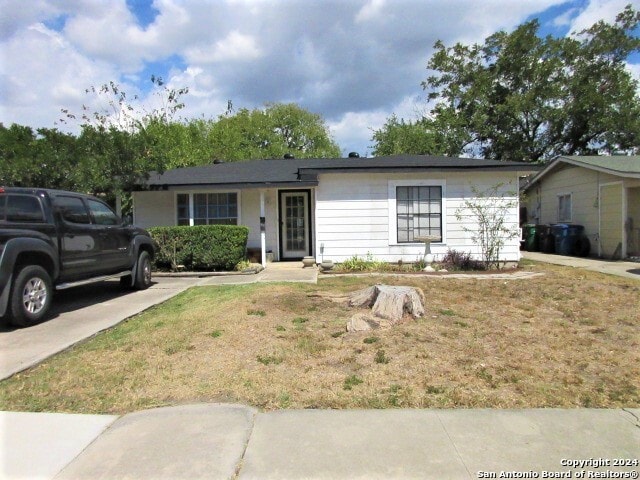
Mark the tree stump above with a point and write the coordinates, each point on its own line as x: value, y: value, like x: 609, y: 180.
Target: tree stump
x: 388, y: 304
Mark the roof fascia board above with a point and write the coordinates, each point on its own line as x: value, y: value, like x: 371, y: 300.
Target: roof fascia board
x: 507, y: 168
x: 576, y: 163
x: 598, y: 168
x: 214, y: 186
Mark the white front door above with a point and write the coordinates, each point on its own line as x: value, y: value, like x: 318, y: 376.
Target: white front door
x: 295, y: 224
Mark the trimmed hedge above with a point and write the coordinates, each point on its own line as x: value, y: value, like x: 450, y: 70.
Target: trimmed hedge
x: 201, y: 247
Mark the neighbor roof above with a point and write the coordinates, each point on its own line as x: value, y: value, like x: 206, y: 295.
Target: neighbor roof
x: 619, y: 165
x: 304, y: 172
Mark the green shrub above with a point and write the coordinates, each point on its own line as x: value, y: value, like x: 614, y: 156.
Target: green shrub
x: 201, y: 247
x: 358, y: 264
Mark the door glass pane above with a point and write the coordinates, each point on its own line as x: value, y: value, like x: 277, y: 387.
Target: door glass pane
x: 295, y: 222
x: 102, y: 215
x: 72, y: 209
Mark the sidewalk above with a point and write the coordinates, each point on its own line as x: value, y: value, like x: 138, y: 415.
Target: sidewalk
x: 618, y: 268
x: 219, y: 441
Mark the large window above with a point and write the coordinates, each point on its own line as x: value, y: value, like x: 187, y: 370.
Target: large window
x: 419, y: 212
x: 208, y: 208
x: 564, y: 207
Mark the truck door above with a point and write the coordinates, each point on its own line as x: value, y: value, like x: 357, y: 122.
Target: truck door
x: 115, y: 238
x: 79, y: 240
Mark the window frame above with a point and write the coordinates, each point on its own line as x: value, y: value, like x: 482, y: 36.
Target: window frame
x: 393, y: 208
x: 190, y: 195
x: 560, y: 196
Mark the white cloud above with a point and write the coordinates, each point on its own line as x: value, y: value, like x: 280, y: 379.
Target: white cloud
x: 42, y: 73
x: 370, y: 10
x: 596, y: 10
x: 235, y: 47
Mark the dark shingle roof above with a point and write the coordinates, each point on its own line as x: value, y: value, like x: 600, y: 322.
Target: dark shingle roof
x: 304, y: 172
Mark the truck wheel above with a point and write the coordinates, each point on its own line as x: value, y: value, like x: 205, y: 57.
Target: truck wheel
x: 31, y: 294
x: 143, y: 271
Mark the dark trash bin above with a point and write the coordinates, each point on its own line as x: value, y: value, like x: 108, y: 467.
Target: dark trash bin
x: 530, y: 237
x: 570, y: 240
x: 560, y: 233
x: 546, y: 240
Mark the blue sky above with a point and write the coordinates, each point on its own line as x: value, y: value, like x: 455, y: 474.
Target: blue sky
x: 355, y: 62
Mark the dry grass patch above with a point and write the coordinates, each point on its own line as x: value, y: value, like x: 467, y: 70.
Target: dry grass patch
x: 569, y: 338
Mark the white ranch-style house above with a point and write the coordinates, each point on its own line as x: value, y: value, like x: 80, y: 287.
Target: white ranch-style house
x: 333, y: 209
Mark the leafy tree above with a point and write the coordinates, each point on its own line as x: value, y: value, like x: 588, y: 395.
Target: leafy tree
x: 414, y: 138
x: 46, y: 157
x: 271, y: 133
x: 522, y: 97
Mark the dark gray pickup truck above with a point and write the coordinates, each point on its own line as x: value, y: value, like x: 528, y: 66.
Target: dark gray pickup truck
x: 52, y: 239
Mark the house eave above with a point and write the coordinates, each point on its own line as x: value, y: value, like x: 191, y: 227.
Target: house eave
x: 227, y: 186
x: 571, y: 161
x: 394, y: 169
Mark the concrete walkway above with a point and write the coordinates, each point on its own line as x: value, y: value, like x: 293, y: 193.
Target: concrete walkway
x: 219, y: 441
x: 618, y: 268
x: 275, y: 272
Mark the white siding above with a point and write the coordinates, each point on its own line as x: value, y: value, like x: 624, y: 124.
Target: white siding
x: 154, y: 209
x: 353, y: 215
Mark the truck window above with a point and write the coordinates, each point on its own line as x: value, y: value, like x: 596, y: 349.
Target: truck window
x: 102, y: 215
x: 3, y: 210
x: 72, y: 209
x: 23, y: 209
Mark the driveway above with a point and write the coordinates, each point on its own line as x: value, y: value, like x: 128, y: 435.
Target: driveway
x: 617, y: 268
x: 80, y: 313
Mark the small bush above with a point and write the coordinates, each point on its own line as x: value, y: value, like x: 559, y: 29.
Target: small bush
x: 455, y: 260
x: 358, y: 264
x: 201, y: 247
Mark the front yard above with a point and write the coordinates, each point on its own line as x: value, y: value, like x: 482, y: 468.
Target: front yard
x: 570, y: 338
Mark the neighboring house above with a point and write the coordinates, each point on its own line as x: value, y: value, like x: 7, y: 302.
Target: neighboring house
x: 600, y: 192
x: 333, y: 208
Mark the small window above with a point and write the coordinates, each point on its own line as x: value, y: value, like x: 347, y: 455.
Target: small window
x: 102, y: 215
x: 24, y: 209
x: 72, y: 209
x: 564, y: 208
x: 3, y: 210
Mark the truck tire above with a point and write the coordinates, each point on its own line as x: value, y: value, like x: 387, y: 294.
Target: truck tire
x: 31, y: 294
x: 143, y: 271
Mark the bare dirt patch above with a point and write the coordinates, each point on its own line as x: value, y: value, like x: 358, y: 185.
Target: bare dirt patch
x: 570, y: 338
